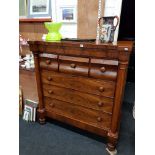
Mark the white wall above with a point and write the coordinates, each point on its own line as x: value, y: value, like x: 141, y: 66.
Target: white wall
x: 69, y: 30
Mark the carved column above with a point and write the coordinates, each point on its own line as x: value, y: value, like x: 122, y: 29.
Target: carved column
x: 120, y: 85
x: 41, y: 108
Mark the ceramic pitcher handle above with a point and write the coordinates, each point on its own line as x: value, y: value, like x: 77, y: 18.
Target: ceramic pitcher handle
x: 117, y: 22
x: 99, y: 21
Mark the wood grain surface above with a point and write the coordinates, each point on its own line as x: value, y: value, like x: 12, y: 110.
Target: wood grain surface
x: 88, y: 116
x: 86, y: 85
x: 78, y: 98
x: 87, y: 18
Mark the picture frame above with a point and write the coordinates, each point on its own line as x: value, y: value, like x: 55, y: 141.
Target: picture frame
x: 39, y: 8
x: 68, y: 14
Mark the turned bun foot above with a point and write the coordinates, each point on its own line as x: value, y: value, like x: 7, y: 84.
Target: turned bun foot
x: 112, y: 141
x: 41, y: 116
x: 114, y: 152
x: 42, y: 121
x: 111, y: 146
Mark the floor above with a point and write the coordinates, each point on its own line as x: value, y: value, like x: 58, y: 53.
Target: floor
x: 55, y: 138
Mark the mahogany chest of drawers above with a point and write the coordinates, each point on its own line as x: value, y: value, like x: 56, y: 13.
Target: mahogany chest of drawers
x: 82, y: 84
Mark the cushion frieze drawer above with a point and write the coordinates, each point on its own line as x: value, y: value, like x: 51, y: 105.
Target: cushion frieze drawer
x: 74, y: 65
x: 83, y: 99
x: 87, y: 85
x: 89, y: 116
x: 104, y: 69
x: 50, y: 63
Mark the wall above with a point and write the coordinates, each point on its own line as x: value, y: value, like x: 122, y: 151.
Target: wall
x: 112, y: 7
x: 68, y: 30
x: 22, y: 8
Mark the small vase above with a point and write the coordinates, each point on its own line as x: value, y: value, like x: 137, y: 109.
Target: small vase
x: 53, y: 31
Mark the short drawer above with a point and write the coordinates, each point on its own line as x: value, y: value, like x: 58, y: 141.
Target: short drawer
x: 83, y: 84
x: 49, y: 63
x: 104, y: 69
x: 75, y: 112
x: 75, y: 97
x: 74, y: 65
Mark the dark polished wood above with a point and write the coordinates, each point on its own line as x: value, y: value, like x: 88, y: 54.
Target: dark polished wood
x: 87, y: 115
x: 82, y: 84
x: 78, y: 98
x: 103, y: 71
x: 41, y: 108
x: 50, y: 64
x: 34, y: 20
x: 86, y: 85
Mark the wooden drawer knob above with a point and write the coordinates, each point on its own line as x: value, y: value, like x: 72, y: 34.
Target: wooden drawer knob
x: 49, y: 78
x: 50, y: 92
x: 99, y: 119
x: 102, y: 69
x: 73, y: 65
x: 48, y: 62
x: 101, y: 89
x: 52, y: 105
x: 100, y: 104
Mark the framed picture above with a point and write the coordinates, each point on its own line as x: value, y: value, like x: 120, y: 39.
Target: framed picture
x: 68, y: 14
x: 39, y: 8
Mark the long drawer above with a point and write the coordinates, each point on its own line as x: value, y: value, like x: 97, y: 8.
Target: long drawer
x: 87, y: 85
x: 75, y: 97
x: 87, y: 116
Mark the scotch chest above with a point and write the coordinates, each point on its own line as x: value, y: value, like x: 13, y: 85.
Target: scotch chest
x: 82, y: 84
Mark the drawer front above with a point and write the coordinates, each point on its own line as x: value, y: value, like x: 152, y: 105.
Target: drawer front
x: 73, y: 65
x: 82, y: 84
x: 104, y: 69
x: 88, y: 116
x: 49, y: 63
x: 74, y: 97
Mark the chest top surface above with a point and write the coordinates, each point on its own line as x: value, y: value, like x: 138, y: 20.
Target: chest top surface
x: 121, y: 51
